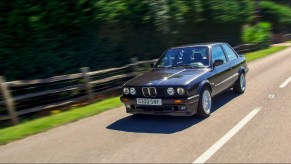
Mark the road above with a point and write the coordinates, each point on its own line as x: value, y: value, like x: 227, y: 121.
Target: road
x: 253, y: 127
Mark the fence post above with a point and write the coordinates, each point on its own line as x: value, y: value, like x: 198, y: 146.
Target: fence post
x: 8, y: 101
x: 87, y: 83
x: 134, y: 67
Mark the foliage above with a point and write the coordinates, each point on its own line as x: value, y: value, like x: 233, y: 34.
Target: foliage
x: 279, y: 15
x: 259, y: 34
x: 282, y: 2
x: 39, y: 39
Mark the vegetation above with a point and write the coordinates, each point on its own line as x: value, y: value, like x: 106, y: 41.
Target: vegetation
x: 40, y: 39
x: 259, y: 34
x: 278, y: 14
x: 262, y: 53
x: 42, y: 124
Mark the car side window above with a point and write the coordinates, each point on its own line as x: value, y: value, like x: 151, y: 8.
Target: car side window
x: 229, y: 52
x: 217, y: 53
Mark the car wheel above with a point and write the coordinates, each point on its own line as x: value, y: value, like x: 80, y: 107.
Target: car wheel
x: 240, y: 85
x: 205, y: 103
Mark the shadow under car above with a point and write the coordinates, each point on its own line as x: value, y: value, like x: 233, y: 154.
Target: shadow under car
x: 166, y: 124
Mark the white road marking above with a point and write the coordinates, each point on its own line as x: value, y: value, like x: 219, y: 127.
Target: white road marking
x: 285, y: 82
x: 208, y: 153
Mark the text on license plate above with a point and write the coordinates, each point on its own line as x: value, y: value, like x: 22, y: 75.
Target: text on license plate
x: 142, y: 101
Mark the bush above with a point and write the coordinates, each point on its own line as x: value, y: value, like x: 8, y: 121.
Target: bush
x: 259, y: 34
x: 277, y: 14
x: 39, y: 39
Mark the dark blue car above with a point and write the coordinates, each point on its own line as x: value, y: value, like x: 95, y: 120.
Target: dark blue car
x: 184, y: 80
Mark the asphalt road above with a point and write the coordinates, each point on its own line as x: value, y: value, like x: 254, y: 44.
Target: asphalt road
x: 253, y: 127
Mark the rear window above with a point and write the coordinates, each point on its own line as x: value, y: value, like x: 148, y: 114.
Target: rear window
x: 229, y: 52
x: 218, y: 54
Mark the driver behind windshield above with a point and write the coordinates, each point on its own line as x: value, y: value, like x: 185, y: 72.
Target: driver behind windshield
x: 185, y: 57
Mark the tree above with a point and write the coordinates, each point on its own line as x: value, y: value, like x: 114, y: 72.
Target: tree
x: 278, y: 15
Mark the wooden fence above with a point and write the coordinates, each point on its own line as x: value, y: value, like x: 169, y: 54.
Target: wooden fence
x: 23, y: 97
x: 245, y: 48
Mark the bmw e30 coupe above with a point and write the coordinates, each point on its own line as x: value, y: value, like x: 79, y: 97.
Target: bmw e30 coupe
x: 184, y: 80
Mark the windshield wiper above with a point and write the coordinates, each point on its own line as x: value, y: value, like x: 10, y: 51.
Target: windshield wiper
x: 163, y: 67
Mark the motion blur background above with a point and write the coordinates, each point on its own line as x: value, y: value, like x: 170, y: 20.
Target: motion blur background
x: 41, y: 39
x: 44, y: 43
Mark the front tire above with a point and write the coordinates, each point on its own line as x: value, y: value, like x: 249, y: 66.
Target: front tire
x: 205, y: 103
x: 240, y: 85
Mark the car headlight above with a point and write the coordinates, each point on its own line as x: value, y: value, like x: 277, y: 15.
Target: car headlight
x: 171, y: 91
x: 126, y: 91
x: 181, y: 91
x: 132, y: 91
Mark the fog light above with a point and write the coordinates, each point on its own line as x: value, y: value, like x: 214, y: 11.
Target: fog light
x: 127, y: 106
x: 183, y: 107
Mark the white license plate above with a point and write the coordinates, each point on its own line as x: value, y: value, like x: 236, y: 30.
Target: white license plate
x: 142, y: 101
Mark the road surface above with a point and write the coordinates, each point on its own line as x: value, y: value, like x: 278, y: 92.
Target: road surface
x: 253, y: 127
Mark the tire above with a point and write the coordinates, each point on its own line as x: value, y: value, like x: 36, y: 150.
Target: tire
x: 205, y: 103
x: 240, y: 85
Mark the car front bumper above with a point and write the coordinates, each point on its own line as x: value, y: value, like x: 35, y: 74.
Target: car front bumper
x: 184, y: 107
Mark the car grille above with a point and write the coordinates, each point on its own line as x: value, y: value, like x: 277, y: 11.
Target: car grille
x: 149, y: 92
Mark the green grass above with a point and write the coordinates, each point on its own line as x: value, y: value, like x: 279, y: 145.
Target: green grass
x: 262, y: 53
x: 42, y: 124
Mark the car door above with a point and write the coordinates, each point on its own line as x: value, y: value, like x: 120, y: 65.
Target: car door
x: 220, y: 73
x: 233, y: 63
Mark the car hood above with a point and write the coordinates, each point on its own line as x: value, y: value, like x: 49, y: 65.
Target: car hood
x: 167, y: 77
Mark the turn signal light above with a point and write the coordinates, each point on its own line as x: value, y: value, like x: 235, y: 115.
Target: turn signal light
x: 178, y: 101
x: 125, y: 100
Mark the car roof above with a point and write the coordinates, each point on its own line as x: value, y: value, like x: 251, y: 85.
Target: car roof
x: 201, y: 44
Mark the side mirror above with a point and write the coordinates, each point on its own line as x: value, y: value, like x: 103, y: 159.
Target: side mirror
x: 152, y: 65
x: 217, y: 63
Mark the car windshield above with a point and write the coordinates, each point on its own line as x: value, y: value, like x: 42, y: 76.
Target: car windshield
x: 188, y: 57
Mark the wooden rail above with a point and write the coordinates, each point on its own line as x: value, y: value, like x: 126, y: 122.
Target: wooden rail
x: 59, y: 91
x: 245, y: 48
x: 90, y: 88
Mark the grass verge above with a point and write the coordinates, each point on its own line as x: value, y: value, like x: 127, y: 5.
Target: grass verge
x: 262, y: 53
x: 42, y: 124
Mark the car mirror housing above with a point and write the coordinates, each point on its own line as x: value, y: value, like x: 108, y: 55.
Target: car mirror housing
x: 217, y: 63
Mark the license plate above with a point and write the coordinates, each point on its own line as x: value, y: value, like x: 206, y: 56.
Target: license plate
x: 142, y: 101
